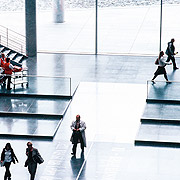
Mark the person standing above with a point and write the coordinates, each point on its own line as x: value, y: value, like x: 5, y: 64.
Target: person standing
x: 161, y: 67
x: 8, y: 156
x: 3, y: 58
x: 170, y: 51
x: 33, y: 157
x: 8, y: 71
x: 78, y: 136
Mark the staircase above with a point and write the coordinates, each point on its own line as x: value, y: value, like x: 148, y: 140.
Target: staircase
x: 160, y: 123
x: 13, y: 45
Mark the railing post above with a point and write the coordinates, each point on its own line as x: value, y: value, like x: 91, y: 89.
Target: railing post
x: 70, y: 86
x: 147, y: 89
x: 7, y: 36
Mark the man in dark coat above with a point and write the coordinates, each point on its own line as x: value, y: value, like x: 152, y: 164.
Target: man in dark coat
x: 33, y: 157
x: 170, y: 51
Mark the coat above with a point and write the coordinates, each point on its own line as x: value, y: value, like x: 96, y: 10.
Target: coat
x: 35, y: 156
x: 13, y: 156
x: 82, y: 130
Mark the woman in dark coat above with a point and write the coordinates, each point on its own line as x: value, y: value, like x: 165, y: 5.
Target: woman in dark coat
x: 8, y: 156
x: 161, y: 67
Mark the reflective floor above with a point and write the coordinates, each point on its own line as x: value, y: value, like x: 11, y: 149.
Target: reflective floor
x: 111, y: 99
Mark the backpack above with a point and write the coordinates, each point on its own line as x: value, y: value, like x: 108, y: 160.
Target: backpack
x: 156, y: 62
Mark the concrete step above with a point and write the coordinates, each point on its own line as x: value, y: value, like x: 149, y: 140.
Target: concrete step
x: 7, y: 52
x: 2, y: 49
x: 31, y: 106
x: 160, y: 121
x: 12, y: 56
x: 28, y: 127
x: 162, y: 111
x: 158, y: 135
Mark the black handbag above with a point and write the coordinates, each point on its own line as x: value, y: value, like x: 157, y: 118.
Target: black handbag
x: 38, y: 159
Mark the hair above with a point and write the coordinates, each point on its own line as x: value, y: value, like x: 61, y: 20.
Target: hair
x: 8, y: 145
x: 172, y: 40
x: 30, y: 143
x: 78, y: 116
x: 161, y: 54
x: 7, y: 59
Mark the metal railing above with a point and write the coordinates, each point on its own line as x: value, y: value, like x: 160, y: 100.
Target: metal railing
x: 39, y: 85
x: 12, y: 40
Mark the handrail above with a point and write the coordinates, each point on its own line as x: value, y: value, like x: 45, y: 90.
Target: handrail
x: 12, y: 36
x: 13, y: 31
x: 40, y: 76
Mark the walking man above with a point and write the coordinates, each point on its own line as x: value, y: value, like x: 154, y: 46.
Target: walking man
x: 78, y: 136
x: 170, y: 51
x: 33, y: 157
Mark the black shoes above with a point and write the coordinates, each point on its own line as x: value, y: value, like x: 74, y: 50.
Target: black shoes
x: 176, y: 68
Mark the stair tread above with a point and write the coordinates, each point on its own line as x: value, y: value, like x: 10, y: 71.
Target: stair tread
x: 12, y: 55
x: 162, y: 111
x: 159, y: 133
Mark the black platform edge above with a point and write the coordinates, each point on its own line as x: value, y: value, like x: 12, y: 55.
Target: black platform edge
x: 57, y: 127
x: 26, y: 136
x: 160, y: 121
x: 19, y: 114
x: 163, y: 101
x: 75, y: 90
x: 36, y: 96
x: 157, y: 143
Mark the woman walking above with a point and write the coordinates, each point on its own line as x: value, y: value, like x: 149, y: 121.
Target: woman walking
x: 8, y: 156
x: 161, y: 67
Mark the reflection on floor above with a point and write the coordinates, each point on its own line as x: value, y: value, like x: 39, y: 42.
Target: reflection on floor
x: 111, y: 101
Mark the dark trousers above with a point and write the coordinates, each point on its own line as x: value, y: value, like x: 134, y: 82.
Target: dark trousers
x: 8, y: 81
x: 165, y: 76
x: 77, y: 137
x: 7, y: 173
x: 172, y: 59
x: 32, y: 166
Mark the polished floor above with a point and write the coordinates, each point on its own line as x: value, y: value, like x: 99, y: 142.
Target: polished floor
x: 111, y: 99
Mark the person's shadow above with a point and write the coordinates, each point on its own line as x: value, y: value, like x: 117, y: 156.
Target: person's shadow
x: 78, y: 165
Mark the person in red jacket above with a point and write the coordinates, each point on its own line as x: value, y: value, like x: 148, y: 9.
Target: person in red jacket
x: 8, y: 71
x: 2, y: 60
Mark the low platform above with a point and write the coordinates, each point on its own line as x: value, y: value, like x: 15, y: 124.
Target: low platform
x: 37, y: 106
x: 26, y: 127
x: 162, y: 91
x: 158, y: 135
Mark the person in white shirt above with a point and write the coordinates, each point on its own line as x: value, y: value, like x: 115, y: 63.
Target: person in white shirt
x: 161, y: 67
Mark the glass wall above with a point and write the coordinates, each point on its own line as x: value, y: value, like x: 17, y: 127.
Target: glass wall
x: 133, y: 27
x: 171, y: 24
x: 124, y: 26
x: 76, y: 34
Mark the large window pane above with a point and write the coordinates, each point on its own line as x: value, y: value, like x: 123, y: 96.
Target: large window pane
x: 129, y: 26
x: 171, y: 25
x: 77, y: 32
